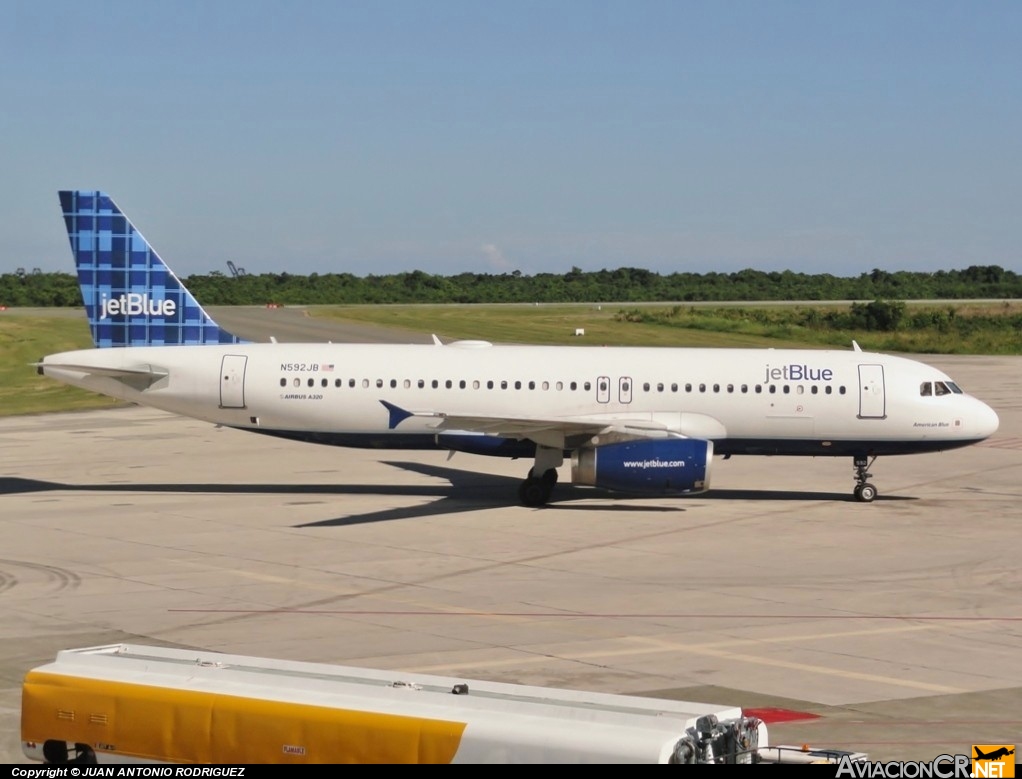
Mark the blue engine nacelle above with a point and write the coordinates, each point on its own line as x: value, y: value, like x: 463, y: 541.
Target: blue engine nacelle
x: 671, y: 466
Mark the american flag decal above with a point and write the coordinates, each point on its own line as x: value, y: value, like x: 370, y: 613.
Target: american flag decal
x: 329, y: 366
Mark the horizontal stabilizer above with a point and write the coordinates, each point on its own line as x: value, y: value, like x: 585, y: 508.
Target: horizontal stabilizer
x: 140, y: 377
x: 114, y: 373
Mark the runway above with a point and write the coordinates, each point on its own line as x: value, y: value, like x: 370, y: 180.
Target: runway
x: 898, y: 623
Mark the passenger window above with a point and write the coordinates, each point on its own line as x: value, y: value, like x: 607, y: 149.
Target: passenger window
x: 800, y: 389
x: 745, y: 388
x: 422, y: 383
x: 393, y: 383
x: 435, y: 384
x: 448, y: 384
x: 730, y: 387
x: 489, y: 385
x: 573, y: 386
x: 461, y: 384
x: 351, y: 383
x: 365, y: 383
x: 702, y: 388
x: 828, y: 390
x: 323, y: 383
x: 518, y: 385
x: 338, y: 383
x: 645, y: 387
x: 815, y: 389
x: 560, y: 386
x: 841, y: 390
x: 283, y: 382
x: 379, y: 384
x: 787, y: 389
x: 759, y: 389
x: 773, y: 389
x: 587, y: 386
x: 503, y: 385
x: 716, y: 388
x: 312, y: 382
x: 603, y: 386
x: 546, y: 385
x: 688, y: 388
x: 407, y: 384
x: 532, y: 385
x: 674, y: 388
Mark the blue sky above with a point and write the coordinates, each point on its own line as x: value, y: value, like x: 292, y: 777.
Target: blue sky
x: 387, y: 136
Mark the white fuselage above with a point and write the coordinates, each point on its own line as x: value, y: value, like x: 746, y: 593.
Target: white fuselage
x: 757, y: 401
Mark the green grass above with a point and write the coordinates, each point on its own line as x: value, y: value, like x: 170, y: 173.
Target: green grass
x: 543, y: 324
x: 992, y: 328
x: 25, y: 339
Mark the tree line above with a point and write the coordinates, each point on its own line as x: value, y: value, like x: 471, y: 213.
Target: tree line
x: 576, y: 286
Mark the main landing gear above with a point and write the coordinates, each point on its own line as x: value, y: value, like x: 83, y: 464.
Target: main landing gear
x: 536, y: 489
x: 864, y: 492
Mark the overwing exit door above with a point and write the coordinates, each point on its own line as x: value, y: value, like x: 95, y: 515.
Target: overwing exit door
x: 624, y: 389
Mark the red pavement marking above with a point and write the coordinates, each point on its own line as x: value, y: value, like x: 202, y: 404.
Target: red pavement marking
x: 772, y: 714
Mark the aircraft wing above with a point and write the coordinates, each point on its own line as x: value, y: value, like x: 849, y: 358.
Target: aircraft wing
x: 552, y: 431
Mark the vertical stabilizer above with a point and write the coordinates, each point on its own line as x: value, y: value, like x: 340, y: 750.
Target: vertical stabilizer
x: 131, y: 297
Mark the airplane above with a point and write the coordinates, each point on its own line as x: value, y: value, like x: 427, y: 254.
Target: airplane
x: 634, y: 420
x: 995, y: 755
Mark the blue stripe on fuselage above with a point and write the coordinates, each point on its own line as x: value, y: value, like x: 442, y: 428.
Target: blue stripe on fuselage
x: 509, y: 447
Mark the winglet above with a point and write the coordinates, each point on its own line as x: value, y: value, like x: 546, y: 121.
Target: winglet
x: 437, y: 341
x: 855, y: 346
x: 397, y: 415
x: 131, y: 297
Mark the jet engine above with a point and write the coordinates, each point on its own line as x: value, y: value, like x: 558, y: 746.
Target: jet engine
x: 671, y: 466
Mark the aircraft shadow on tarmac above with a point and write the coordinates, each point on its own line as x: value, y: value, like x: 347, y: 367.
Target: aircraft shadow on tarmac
x: 468, y: 491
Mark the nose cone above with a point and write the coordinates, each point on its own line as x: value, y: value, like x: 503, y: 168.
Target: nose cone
x: 984, y: 420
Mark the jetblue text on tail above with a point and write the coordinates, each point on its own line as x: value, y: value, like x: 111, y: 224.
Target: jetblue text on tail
x: 131, y: 297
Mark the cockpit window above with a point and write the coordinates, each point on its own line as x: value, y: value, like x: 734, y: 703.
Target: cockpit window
x: 940, y: 388
x: 955, y: 388
x: 926, y: 389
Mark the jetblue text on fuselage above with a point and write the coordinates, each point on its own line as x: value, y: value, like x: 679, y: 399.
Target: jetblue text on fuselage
x: 796, y: 372
x: 135, y: 304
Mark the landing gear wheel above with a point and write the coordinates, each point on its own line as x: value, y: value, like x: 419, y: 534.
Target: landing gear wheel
x: 865, y: 493
x: 536, y: 489
x: 534, y: 492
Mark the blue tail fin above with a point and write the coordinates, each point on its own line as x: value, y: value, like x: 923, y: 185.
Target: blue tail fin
x: 131, y: 297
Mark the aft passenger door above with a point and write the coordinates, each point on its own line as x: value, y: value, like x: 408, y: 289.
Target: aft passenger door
x: 603, y: 389
x: 872, y: 398
x: 232, y: 381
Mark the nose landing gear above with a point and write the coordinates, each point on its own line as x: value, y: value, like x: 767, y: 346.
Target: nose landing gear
x: 864, y: 492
